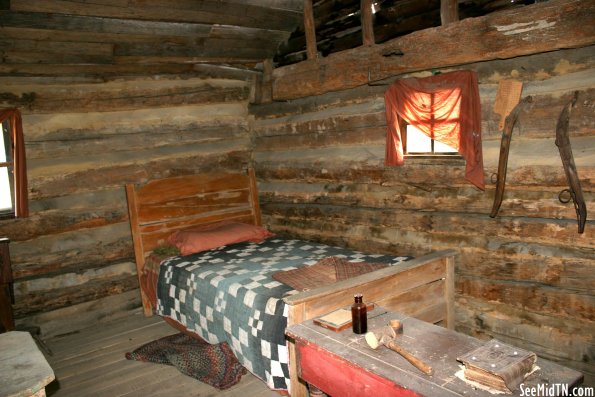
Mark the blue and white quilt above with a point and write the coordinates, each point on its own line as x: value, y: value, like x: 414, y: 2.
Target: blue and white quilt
x: 228, y: 295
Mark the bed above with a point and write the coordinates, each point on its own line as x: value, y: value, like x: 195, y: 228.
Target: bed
x: 422, y: 287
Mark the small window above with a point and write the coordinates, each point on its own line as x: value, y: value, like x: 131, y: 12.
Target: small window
x: 447, y: 110
x: 418, y: 143
x: 6, y: 171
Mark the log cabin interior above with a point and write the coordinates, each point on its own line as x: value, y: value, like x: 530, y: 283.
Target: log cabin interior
x: 122, y: 92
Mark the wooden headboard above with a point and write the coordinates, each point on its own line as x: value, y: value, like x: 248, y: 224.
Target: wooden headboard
x: 161, y: 206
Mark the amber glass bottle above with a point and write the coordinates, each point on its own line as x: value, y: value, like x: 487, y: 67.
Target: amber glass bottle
x: 359, y: 315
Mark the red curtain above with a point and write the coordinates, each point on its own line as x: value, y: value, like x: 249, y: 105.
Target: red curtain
x: 18, y: 157
x: 445, y: 107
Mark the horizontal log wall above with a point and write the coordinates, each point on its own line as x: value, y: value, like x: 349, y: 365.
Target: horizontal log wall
x: 85, y: 138
x: 526, y: 277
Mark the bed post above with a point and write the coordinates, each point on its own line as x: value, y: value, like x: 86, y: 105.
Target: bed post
x: 297, y: 388
x: 449, y: 292
x: 254, y: 198
x: 138, y: 245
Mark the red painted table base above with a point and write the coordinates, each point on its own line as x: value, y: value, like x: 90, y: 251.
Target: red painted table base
x: 338, y: 377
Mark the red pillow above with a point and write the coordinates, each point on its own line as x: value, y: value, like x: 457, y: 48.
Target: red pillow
x: 215, y: 235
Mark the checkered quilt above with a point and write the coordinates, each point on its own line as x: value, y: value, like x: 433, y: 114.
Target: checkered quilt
x: 228, y: 295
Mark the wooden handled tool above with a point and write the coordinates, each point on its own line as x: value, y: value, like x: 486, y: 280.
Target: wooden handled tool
x: 386, y: 336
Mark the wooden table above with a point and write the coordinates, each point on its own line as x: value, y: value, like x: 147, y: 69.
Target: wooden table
x: 342, y: 364
x: 24, y: 371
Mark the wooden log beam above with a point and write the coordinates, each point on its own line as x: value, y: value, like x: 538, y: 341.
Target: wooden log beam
x: 449, y: 11
x: 76, y: 23
x: 257, y: 15
x: 536, y: 28
x: 124, y: 27
x: 39, y: 70
x: 45, y: 301
x: 367, y: 22
x: 310, y: 30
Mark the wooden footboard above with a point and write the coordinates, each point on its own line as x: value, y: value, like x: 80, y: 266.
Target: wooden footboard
x: 422, y: 288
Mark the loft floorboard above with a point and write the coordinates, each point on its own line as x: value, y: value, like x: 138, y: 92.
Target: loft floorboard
x: 91, y: 363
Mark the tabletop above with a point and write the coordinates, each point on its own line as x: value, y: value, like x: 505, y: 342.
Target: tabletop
x: 24, y: 370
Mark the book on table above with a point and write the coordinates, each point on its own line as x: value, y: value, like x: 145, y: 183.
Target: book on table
x: 339, y: 319
x: 498, y: 365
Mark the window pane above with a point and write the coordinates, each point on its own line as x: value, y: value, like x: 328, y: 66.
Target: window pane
x: 440, y: 147
x: 5, y: 194
x: 3, y: 144
x: 5, y: 191
x: 417, y: 142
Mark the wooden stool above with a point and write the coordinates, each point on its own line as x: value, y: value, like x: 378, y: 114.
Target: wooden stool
x: 24, y: 371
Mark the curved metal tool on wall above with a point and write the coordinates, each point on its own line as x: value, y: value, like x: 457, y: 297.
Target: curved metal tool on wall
x: 504, y: 149
x: 563, y: 143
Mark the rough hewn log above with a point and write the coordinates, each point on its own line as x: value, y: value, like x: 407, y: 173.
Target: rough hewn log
x: 93, y: 70
x: 526, y: 267
x: 471, y: 230
x: 45, y: 301
x: 214, y: 41
x: 88, y: 141
x: 84, y: 248
x: 529, y: 296
x: 104, y: 50
x: 151, y: 93
x: 537, y: 28
x: 75, y: 23
x: 565, y: 69
x: 160, y: 164
x: 62, y: 221
x: 212, y: 12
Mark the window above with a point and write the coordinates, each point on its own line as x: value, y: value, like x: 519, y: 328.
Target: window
x: 13, y: 168
x: 437, y: 116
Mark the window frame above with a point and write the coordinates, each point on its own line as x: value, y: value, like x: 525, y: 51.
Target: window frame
x: 16, y: 164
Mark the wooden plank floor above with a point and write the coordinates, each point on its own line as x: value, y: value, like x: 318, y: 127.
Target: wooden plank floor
x: 91, y: 363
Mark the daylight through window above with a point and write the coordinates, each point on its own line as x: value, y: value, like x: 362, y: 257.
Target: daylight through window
x: 6, y: 190
x: 419, y: 143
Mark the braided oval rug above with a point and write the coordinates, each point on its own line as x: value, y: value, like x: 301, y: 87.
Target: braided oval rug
x: 215, y: 365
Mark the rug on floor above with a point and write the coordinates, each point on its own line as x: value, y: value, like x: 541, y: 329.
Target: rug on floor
x: 215, y: 364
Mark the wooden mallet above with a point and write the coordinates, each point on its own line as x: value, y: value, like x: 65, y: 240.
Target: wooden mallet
x: 386, y: 336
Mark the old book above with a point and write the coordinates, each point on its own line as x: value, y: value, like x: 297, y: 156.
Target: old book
x: 498, y: 365
x: 339, y: 319
x: 336, y: 320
